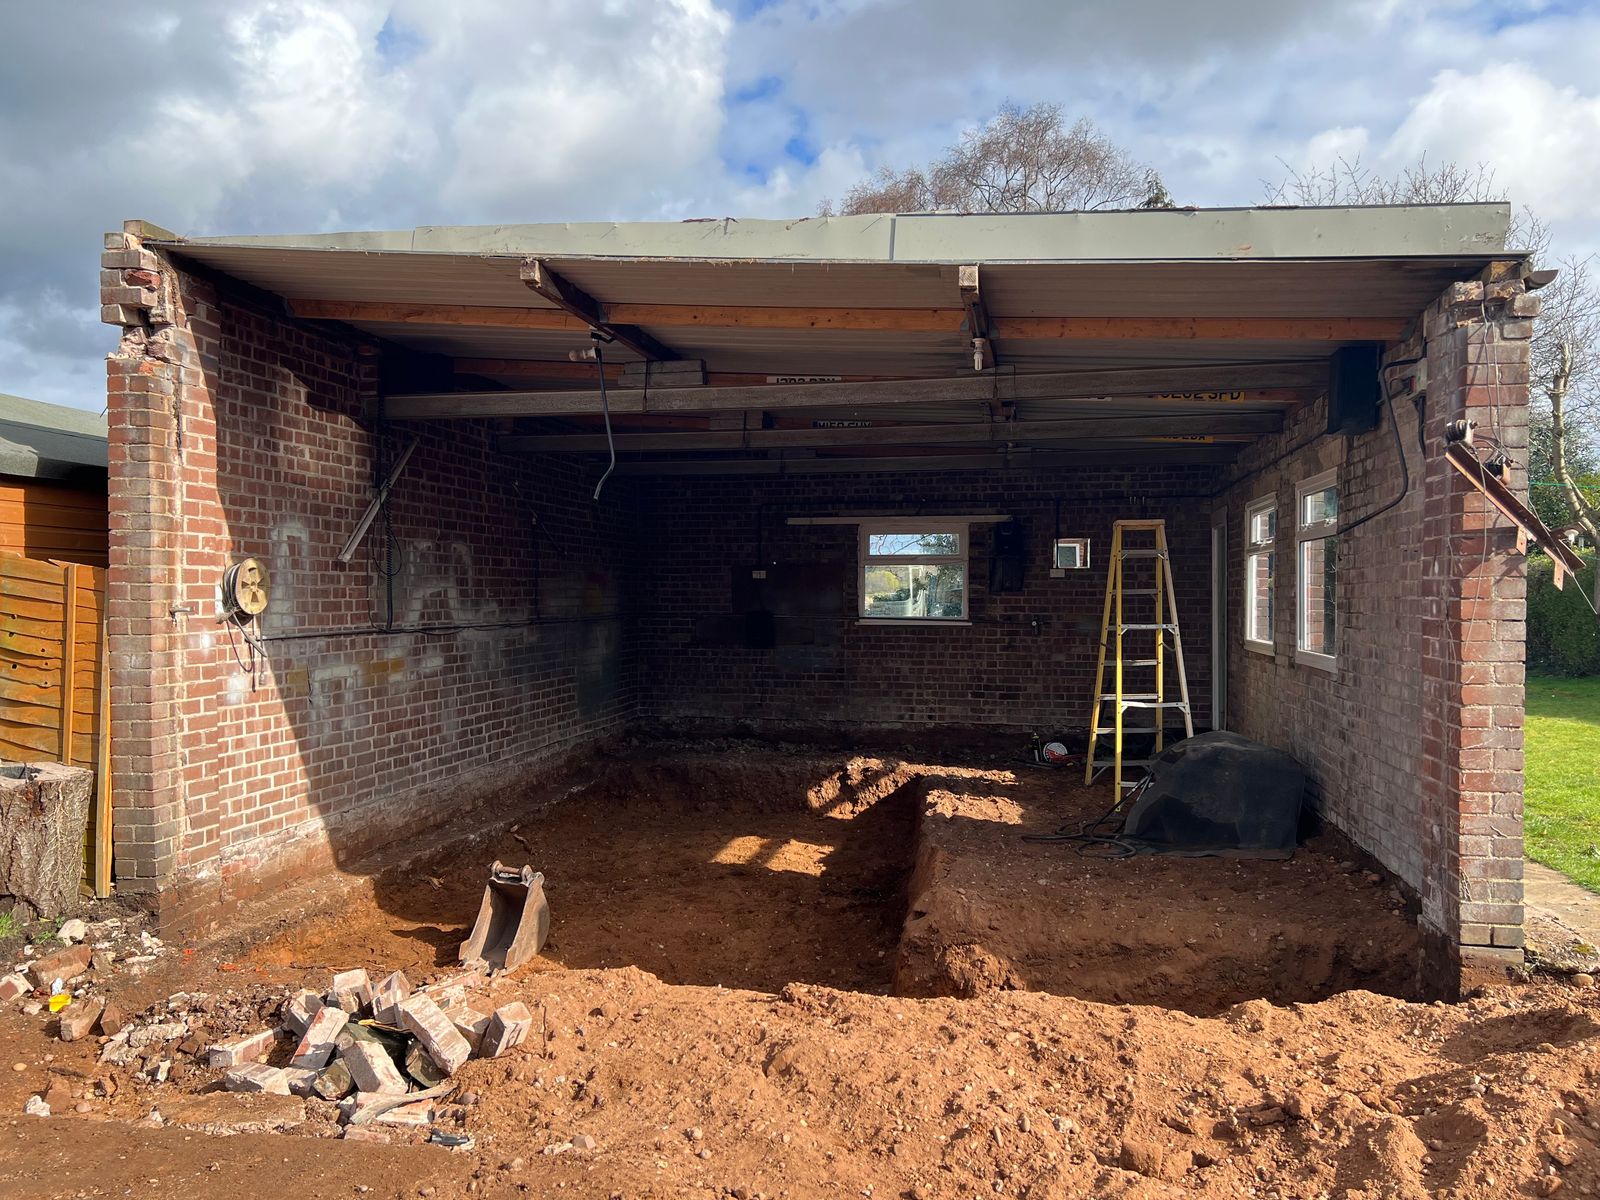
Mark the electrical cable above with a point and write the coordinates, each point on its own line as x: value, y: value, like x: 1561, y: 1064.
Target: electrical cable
x: 605, y: 409
x: 1087, y: 837
x: 1400, y: 451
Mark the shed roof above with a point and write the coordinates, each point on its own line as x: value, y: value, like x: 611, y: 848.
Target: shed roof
x: 880, y: 297
x: 49, y: 441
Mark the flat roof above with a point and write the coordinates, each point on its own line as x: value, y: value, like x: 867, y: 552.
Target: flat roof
x: 1222, y: 293
x: 49, y: 441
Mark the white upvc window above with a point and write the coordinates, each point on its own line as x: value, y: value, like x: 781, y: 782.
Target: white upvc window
x: 1260, y: 571
x: 913, y: 569
x: 1316, y: 525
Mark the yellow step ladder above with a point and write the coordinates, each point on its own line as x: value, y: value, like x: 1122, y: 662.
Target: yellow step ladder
x: 1149, y: 696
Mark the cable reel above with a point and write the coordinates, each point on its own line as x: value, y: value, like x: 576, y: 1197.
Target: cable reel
x: 244, y: 591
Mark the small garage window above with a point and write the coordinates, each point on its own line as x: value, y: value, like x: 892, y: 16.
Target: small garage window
x: 1260, y: 570
x: 1317, y: 542
x: 913, y: 571
x: 1072, y: 554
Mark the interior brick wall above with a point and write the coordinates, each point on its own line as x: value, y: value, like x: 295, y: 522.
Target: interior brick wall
x: 1026, y: 660
x: 481, y: 632
x: 1414, y: 744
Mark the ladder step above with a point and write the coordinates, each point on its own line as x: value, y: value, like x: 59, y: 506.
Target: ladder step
x: 1125, y: 729
x: 1127, y: 762
x: 1142, y: 554
x: 1173, y: 625
x: 1141, y: 591
x: 1140, y: 662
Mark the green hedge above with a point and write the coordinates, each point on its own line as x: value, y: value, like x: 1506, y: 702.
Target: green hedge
x: 1563, y: 635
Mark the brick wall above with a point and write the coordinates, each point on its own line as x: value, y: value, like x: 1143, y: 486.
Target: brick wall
x: 1026, y: 660
x: 1414, y: 741
x: 479, y: 633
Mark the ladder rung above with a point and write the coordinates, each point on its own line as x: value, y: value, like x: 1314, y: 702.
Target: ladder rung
x: 1141, y: 591
x: 1152, y: 628
x: 1125, y: 729
x: 1141, y: 554
x: 1140, y: 662
x: 1126, y: 696
x: 1127, y: 762
x: 1182, y: 705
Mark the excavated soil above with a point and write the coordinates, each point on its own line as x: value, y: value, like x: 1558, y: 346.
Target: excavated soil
x: 714, y: 1009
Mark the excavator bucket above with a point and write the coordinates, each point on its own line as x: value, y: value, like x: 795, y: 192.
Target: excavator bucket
x: 513, y: 920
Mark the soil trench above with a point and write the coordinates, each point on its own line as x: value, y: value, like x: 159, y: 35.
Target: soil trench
x: 756, y: 869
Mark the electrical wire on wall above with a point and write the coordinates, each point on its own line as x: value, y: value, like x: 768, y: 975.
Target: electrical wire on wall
x: 386, y: 551
x: 605, y: 409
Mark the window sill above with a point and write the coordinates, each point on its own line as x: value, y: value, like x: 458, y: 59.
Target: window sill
x: 1326, y: 663
x: 1265, y: 649
x: 920, y: 621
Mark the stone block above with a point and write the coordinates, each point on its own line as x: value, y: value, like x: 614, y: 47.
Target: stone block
x: 386, y: 998
x: 252, y: 1049
x: 302, y: 1082
x: 79, y: 1018
x: 257, y: 1077
x: 299, y: 1009
x: 426, y: 1021
x: 507, y: 1029
x: 351, y: 991
x: 318, y: 1042
x: 372, y: 1070
x: 13, y: 986
x: 470, y: 1024
x: 333, y: 1081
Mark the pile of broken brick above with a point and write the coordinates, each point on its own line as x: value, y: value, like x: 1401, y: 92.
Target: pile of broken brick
x: 383, y: 1052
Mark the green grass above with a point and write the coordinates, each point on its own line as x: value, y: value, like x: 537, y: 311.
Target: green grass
x: 9, y: 928
x: 1562, y: 826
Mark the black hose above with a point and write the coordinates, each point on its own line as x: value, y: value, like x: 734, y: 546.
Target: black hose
x: 605, y: 409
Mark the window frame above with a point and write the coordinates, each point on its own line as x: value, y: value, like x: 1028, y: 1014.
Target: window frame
x: 1261, y: 504
x: 1304, y: 533
x: 865, y: 560
x: 1082, y: 544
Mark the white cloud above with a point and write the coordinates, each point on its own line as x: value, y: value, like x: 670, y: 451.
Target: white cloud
x: 1542, y: 139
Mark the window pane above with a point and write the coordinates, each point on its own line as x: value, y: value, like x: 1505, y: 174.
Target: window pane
x: 1317, y: 507
x: 1259, y: 574
x: 932, y: 542
x: 1318, y: 558
x: 1263, y: 526
x: 1072, y: 553
x: 914, y: 590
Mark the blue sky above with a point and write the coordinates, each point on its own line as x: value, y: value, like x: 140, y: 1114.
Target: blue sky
x: 300, y: 115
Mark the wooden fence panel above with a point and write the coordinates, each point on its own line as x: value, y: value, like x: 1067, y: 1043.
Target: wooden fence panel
x: 54, y: 686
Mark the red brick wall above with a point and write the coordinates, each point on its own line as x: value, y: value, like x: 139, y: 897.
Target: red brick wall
x: 1026, y: 660
x: 1415, y: 743
x: 235, y: 433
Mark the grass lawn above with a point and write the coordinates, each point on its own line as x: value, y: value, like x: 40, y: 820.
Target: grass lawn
x: 1563, y: 776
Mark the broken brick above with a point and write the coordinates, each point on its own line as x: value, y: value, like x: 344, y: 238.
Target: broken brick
x: 79, y: 1019
x: 65, y: 965
x: 299, y: 1009
x: 351, y: 990
x: 317, y: 1045
x: 360, y: 1133
x: 507, y: 1029
x: 372, y: 1070
x: 257, y: 1077
x: 302, y: 1082
x: 415, y: 1115
x: 470, y: 1024
x: 252, y: 1049
x: 111, y: 1018
x: 333, y: 1082
x: 386, y: 998
x: 423, y: 1018
x: 12, y: 986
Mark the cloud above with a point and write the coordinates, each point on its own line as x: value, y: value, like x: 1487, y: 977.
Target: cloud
x: 305, y: 115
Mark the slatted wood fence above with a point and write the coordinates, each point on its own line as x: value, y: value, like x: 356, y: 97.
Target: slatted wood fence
x: 54, y: 686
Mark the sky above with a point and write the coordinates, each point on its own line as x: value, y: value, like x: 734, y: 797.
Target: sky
x: 297, y: 116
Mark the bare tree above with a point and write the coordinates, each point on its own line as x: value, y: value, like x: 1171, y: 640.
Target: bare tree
x: 1022, y: 160
x: 1565, y: 368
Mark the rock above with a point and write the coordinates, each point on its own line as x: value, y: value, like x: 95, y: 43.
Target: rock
x: 36, y: 1107
x: 12, y: 986
x: 222, y: 1113
x: 112, y: 1021
x: 507, y: 1029
x: 333, y: 1081
x: 421, y: 1067
x: 74, y: 930
x: 423, y: 1018
x: 1583, y: 980
x: 79, y: 1019
x: 252, y: 1049
x: 257, y: 1077
x: 66, y: 965
x: 301, y: 1081
x: 59, y: 1095
x: 82, y: 1106
x: 1143, y: 1157
x: 102, y: 960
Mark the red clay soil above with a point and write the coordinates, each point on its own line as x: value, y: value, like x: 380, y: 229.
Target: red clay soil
x: 827, y: 1087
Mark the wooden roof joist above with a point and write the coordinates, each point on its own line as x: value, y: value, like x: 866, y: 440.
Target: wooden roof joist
x: 579, y: 314
x: 985, y: 433
x: 1015, y: 459
x: 1157, y: 383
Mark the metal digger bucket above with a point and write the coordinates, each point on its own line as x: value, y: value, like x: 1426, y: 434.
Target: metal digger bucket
x: 513, y: 920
